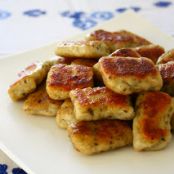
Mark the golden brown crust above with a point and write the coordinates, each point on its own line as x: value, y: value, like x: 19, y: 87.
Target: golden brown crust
x: 98, y: 136
x: 127, y: 67
x: 99, y: 103
x: 63, y: 78
x: 151, y: 120
x: 119, y: 36
x: 119, y: 39
x: 102, y: 129
x: 93, y: 97
x: 127, y: 75
x: 125, y: 52
x: 85, y: 62
x: 70, y: 77
x: 151, y: 126
x: 29, y: 79
x: 39, y: 103
x: 151, y: 51
x: 166, y: 57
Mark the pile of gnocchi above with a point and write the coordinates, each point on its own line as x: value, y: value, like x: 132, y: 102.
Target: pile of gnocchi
x: 110, y: 90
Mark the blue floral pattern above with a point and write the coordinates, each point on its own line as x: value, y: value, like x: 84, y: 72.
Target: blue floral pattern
x: 135, y: 8
x: 34, y: 12
x: 163, y: 4
x: 4, y: 14
x: 121, y: 10
x: 84, y: 23
x: 4, y: 167
x: 83, y: 20
x: 18, y: 171
x: 75, y: 15
x: 102, y: 15
x: 80, y: 19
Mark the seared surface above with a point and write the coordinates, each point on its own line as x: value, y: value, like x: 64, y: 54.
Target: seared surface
x: 129, y: 75
x: 100, y: 102
x: 29, y: 79
x: 39, y: 103
x: 85, y: 62
x: 119, y: 39
x: 63, y: 78
x: 127, y: 67
x: 99, y: 136
x: 151, y: 51
x: 166, y: 57
x: 151, y: 125
x: 125, y: 52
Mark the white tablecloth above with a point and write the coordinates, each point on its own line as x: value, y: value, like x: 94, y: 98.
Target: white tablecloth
x: 29, y: 24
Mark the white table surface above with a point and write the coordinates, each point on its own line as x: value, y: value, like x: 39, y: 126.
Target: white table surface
x: 25, y: 25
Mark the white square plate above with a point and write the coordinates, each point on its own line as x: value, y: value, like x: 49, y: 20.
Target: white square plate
x: 40, y: 147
